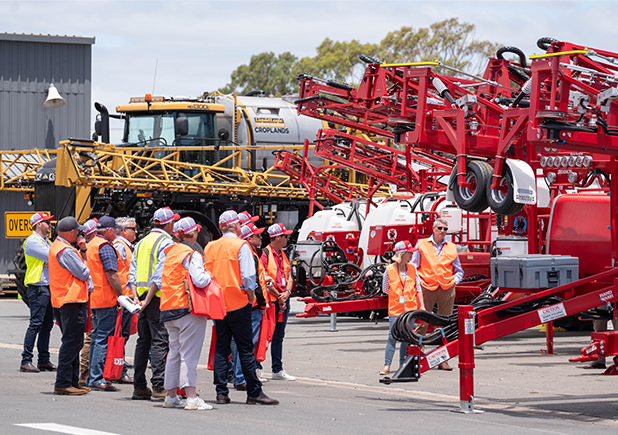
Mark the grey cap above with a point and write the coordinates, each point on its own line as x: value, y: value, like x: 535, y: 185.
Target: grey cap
x: 68, y: 223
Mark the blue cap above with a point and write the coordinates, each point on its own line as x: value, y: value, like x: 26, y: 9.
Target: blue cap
x: 108, y: 222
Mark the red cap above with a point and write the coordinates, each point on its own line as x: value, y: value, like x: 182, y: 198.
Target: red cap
x: 278, y: 230
x: 39, y: 217
x: 404, y: 246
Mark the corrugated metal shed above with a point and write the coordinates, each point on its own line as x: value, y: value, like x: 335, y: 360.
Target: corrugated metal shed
x: 29, y: 63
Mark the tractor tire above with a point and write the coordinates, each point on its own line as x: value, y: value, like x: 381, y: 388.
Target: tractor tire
x: 501, y: 200
x: 473, y: 198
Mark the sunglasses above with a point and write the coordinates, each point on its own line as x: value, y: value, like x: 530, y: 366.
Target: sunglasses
x: 442, y: 228
x: 130, y: 228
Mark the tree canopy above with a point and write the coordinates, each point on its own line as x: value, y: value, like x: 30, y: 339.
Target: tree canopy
x: 451, y: 42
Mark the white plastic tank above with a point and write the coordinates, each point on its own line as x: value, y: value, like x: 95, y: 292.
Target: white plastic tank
x: 393, y: 212
x: 453, y: 216
x: 511, y: 246
x: 336, y: 218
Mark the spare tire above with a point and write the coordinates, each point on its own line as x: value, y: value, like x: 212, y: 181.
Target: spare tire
x: 473, y: 198
x: 501, y: 199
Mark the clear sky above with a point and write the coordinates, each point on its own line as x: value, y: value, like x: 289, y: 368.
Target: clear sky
x: 195, y: 45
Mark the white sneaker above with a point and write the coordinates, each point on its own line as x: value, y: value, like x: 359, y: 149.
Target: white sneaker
x: 260, y: 375
x: 175, y: 402
x: 283, y: 375
x: 197, y: 404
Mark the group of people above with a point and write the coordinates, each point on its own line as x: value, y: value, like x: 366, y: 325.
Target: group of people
x: 420, y: 277
x: 79, y: 277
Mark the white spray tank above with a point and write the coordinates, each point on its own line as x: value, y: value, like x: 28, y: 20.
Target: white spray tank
x: 389, y: 212
x: 336, y: 218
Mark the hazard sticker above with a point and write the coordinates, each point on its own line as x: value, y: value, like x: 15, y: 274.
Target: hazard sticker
x: 437, y: 356
x: 326, y: 308
x: 552, y: 313
x: 469, y: 326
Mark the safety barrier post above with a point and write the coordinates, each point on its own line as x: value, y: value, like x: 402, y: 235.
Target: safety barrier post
x: 466, y: 323
x: 333, y: 322
x: 549, y: 338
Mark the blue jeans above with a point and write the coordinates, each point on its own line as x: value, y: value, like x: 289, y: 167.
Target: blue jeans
x: 41, y: 324
x: 391, y: 343
x: 103, y: 324
x: 256, y: 322
x: 276, y: 346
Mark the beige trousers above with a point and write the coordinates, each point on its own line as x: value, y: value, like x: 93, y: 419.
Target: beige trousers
x: 445, y: 300
x: 84, y: 355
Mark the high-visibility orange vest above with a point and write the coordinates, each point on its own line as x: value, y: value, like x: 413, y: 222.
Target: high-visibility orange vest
x: 396, y: 290
x: 436, y: 272
x: 222, y: 261
x: 261, y: 272
x: 103, y: 295
x: 173, y: 295
x: 272, y: 267
x: 123, y: 273
x: 63, y: 285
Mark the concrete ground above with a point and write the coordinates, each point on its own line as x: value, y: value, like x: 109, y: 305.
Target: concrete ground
x: 337, y: 390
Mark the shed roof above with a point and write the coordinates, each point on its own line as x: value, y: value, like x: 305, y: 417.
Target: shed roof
x: 50, y: 39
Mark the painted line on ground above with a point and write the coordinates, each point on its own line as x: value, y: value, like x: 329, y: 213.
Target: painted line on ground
x: 61, y: 428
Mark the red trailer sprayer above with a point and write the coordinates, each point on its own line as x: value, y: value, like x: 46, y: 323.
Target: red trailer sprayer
x: 526, y: 152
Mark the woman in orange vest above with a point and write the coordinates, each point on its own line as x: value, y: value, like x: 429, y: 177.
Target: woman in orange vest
x: 186, y: 331
x: 403, y: 290
x: 439, y: 271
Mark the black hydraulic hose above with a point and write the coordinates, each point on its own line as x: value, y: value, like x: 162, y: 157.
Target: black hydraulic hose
x: 338, y: 85
x: 514, y: 50
x: 325, y: 293
x: 304, y: 100
x: 522, y: 61
x: 368, y: 59
x: 403, y: 328
x: 544, y: 42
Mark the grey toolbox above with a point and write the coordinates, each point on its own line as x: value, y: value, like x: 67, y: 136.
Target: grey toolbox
x: 533, y: 271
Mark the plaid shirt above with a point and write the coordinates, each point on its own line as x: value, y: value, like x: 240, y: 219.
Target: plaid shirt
x: 108, y: 256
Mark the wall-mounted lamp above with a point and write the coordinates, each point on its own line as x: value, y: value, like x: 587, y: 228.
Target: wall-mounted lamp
x: 54, y: 100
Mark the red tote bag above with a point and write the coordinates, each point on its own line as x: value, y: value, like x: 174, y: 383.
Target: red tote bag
x: 267, y: 329
x: 211, y: 351
x: 114, y: 362
x: 207, y: 301
x: 133, y: 324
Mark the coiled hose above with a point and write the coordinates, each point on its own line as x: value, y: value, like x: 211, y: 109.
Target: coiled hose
x: 372, y: 284
x: 403, y: 328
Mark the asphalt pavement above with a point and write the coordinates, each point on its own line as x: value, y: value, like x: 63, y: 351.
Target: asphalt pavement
x: 520, y: 390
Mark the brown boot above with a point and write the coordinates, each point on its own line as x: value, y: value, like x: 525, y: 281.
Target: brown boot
x: 83, y: 379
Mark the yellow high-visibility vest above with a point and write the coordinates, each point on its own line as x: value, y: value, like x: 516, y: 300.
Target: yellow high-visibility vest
x: 34, y: 267
x: 146, y: 253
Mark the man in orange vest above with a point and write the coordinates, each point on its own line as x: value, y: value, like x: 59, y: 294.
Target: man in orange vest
x: 69, y: 284
x: 104, y: 263
x: 90, y: 230
x: 277, y: 265
x: 230, y: 260
x: 124, y: 245
x: 439, y: 270
x: 253, y: 235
